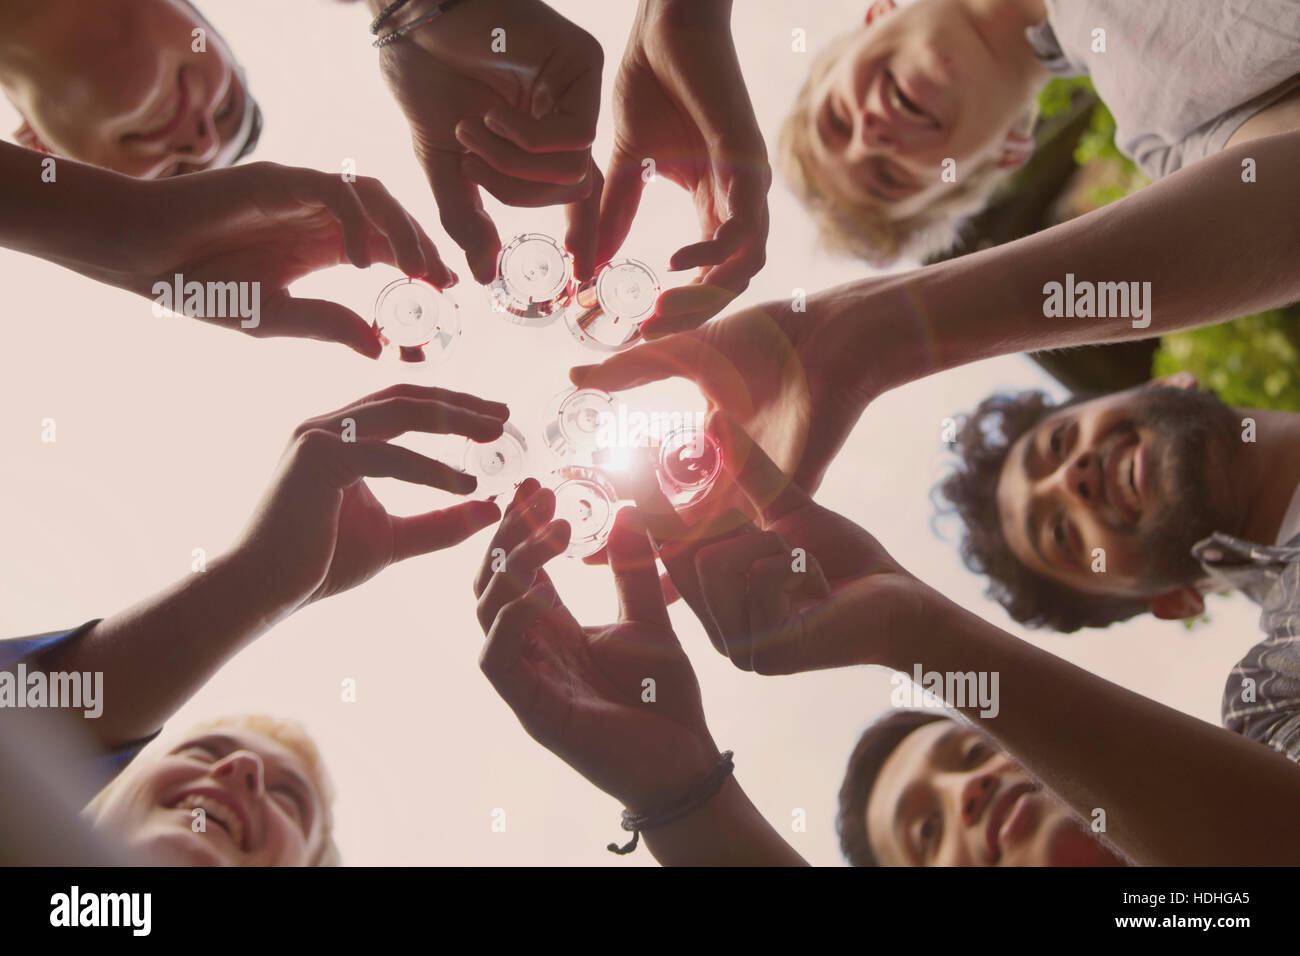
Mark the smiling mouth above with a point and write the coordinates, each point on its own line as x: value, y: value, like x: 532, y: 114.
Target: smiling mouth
x: 1121, y: 486
x: 220, y: 813
x: 998, y: 814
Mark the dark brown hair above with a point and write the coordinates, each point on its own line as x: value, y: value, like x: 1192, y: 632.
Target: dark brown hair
x: 869, y: 755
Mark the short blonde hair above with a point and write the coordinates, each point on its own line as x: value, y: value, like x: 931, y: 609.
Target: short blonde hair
x: 291, y: 735
x: 859, y: 224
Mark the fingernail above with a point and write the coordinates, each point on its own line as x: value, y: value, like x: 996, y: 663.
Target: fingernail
x: 495, y: 125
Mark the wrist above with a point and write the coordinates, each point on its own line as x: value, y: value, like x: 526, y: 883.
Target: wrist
x: 241, y: 575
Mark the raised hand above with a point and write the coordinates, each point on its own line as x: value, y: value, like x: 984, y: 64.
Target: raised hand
x: 319, y: 530
x: 680, y: 100
x: 795, y: 381
x: 805, y: 589
x: 271, y: 225
x: 582, y: 691
x: 501, y: 94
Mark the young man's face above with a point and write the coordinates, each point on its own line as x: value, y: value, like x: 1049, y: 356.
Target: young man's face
x: 1142, y: 474
x: 916, y: 86
x: 261, y: 806
x: 126, y: 91
x: 947, y: 797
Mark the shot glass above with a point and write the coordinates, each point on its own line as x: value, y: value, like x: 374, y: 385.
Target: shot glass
x: 534, y: 280
x: 416, y: 321
x: 690, y: 460
x: 606, y: 311
x: 587, y: 501
x: 575, y: 420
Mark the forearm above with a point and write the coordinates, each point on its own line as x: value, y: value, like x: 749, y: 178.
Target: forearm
x: 75, y: 220
x: 155, y: 655
x: 1211, y: 246
x: 728, y: 830
x: 1175, y: 790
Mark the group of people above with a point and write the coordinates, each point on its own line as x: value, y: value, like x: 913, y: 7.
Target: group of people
x: 1206, y: 99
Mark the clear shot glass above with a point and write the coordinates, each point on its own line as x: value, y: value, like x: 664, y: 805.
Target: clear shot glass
x: 416, y: 321
x: 534, y: 280
x: 606, y: 311
x: 575, y: 421
x: 690, y: 460
x: 499, y: 464
x: 587, y: 501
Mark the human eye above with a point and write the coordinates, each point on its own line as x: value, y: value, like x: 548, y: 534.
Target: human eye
x: 291, y: 800
x: 928, y: 832
x: 197, y: 751
x: 228, y: 105
x: 977, y: 752
x: 837, y: 122
x: 1057, y: 442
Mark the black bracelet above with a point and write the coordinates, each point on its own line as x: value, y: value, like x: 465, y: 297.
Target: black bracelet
x: 385, y: 13
x: 702, y: 794
x: 406, y: 28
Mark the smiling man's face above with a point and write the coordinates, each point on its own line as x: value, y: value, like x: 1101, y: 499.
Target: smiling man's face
x: 947, y: 797
x: 914, y: 87
x: 261, y: 805
x: 1142, y: 474
x: 127, y: 91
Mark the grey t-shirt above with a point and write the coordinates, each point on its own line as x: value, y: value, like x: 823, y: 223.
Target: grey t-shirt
x: 1179, y: 76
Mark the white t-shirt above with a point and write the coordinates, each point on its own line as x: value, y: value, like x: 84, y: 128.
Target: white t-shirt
x: 1179, y: 76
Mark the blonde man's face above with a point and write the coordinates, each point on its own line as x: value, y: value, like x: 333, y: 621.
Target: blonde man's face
x: 916, y: 86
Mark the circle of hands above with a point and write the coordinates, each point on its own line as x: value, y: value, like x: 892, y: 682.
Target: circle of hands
x: 779, y: 583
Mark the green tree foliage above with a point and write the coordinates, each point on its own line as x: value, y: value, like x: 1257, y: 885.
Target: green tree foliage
x: 1253, y: 361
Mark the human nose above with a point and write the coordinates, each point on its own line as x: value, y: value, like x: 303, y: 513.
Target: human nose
x: 241, y: 769
x: 976, y: 793
x: 196, y: 142
x: 1083, y: 477
x: 875, y: 132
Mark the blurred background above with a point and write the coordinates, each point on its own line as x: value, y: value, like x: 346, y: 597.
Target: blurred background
x: 169, y: 430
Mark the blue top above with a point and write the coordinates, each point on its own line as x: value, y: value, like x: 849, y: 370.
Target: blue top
x: 102, y: 767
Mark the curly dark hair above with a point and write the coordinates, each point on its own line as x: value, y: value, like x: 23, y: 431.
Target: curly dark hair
x: 969, y: 491
x: 873, y: 748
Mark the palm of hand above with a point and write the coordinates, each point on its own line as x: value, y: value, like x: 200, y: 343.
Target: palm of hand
x: 274, y: 244
x: 602, y: 716
x: 785, y: 384
x: 361, y: 543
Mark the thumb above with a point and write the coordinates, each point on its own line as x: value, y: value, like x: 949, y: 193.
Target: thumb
x: 323, y: 321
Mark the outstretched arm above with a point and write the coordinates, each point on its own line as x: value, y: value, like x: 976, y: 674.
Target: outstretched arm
x: 1212, y: 246
x: 1176, y: 790
x: 578, y: 690
x: 317, y: 532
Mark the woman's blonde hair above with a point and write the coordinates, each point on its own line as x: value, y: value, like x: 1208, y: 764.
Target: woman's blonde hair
x: 859, y: 224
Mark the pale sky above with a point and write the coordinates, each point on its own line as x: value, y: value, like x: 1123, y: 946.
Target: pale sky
x: 168, y: 432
